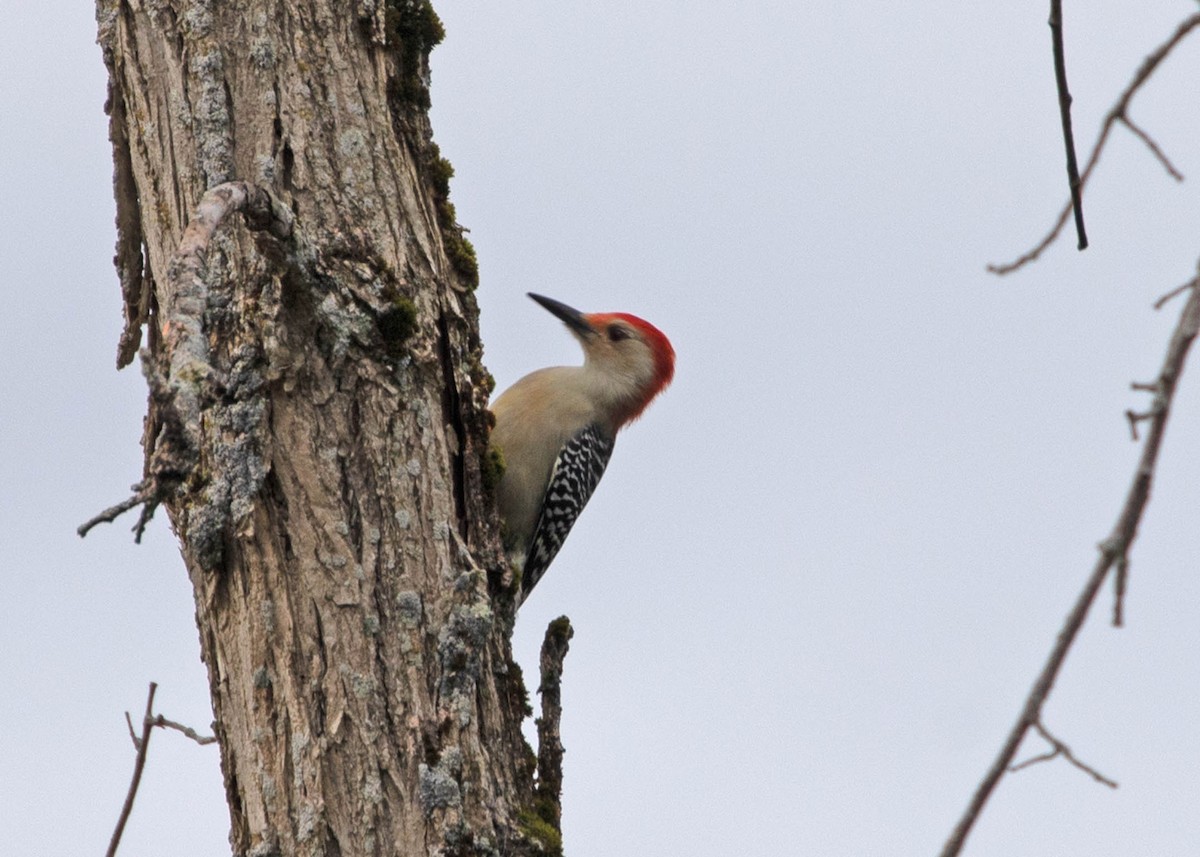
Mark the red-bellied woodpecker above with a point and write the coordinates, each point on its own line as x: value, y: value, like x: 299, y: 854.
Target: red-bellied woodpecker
x: 555, y: 428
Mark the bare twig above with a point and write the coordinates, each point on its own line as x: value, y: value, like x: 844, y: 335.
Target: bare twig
x: 144, y: 517
x: 187, y: 731
x: 149, y: 721
x: 1113, y: 550
x: 138, y: 765
x: 1134, y: 418
x: 1065, y: 751
x: 1033, y: 760
x: 1174, y: 293
x: 113, y: 512
x: 1061, y: 749
x: 1064, y: 112
x: 1120, y: 582
x: 189, y: 373
x: 1154, y: 148
x: 132, y: 735
x: 1117, y: 113
x: 1156, y: 405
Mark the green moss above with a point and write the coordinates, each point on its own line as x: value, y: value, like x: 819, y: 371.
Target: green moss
x: 397, y: 323
x: 459, y: 250
x: 440, y: 173
x: 546, y: 808
x: 560, y: 627
x: 409, y: 92
x: 413, y: 24
x: 518, y: 678
x: 540, y: 832
x: 412, y: 30
x: 530, y: 759
x: 461, y: 253
x: 491, y: 468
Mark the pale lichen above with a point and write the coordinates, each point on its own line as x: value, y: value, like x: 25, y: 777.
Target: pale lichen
x: 438, y: 788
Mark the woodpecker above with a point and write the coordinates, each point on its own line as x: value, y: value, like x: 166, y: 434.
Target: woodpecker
x: 555, y: 429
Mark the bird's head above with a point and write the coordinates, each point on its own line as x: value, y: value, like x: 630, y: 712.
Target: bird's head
x: 632, y: 356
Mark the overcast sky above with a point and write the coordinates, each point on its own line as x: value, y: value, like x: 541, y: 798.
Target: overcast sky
x: 824, y: 569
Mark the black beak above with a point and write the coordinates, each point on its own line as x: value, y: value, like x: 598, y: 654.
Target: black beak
x: 572, y: 318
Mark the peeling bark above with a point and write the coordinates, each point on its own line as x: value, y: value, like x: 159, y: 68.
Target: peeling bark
x: 317, y: 420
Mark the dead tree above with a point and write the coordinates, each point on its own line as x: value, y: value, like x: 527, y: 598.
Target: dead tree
x: 317, y: 422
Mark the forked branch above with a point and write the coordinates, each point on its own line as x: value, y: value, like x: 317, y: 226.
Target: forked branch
x: 142, y: 745
x: 1118, y: 113
x: 1114, y: 551
x: 1058, y: 748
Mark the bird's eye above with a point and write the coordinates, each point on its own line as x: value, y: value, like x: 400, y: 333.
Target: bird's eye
x: 616, y: 333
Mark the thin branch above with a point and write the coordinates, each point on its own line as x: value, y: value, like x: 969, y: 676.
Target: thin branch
x: 189, y: 376
x: 138, y: 765
x: 1117, y: 113
x: 137, y: 744
x: 1174, y: 293
x: 1065, y: 751
x: 1156, y: 405
x: 1034, y: 760
x: 187, y: 731
x: 1120, y: 584
x: 1113, y: 550
x: 149, y: 721
x: 1061, y: 749
x: 139, y: 529
x: 1064, y: 111
x: 113, y: 512
x: 1154, y: 148
x: 1134, y: 418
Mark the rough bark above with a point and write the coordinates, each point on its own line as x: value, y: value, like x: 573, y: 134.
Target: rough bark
x: 548, y: 803
x: 317, y: 421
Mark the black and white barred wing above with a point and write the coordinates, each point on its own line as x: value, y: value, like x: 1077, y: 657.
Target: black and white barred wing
x: 577, y: 472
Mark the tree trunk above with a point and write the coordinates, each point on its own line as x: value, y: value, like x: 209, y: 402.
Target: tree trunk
x: 317, y: 422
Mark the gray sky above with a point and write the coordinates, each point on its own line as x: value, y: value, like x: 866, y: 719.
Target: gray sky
x: 822, y: 572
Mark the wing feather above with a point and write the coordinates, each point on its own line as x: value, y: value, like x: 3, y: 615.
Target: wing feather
x: 576, y: 473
